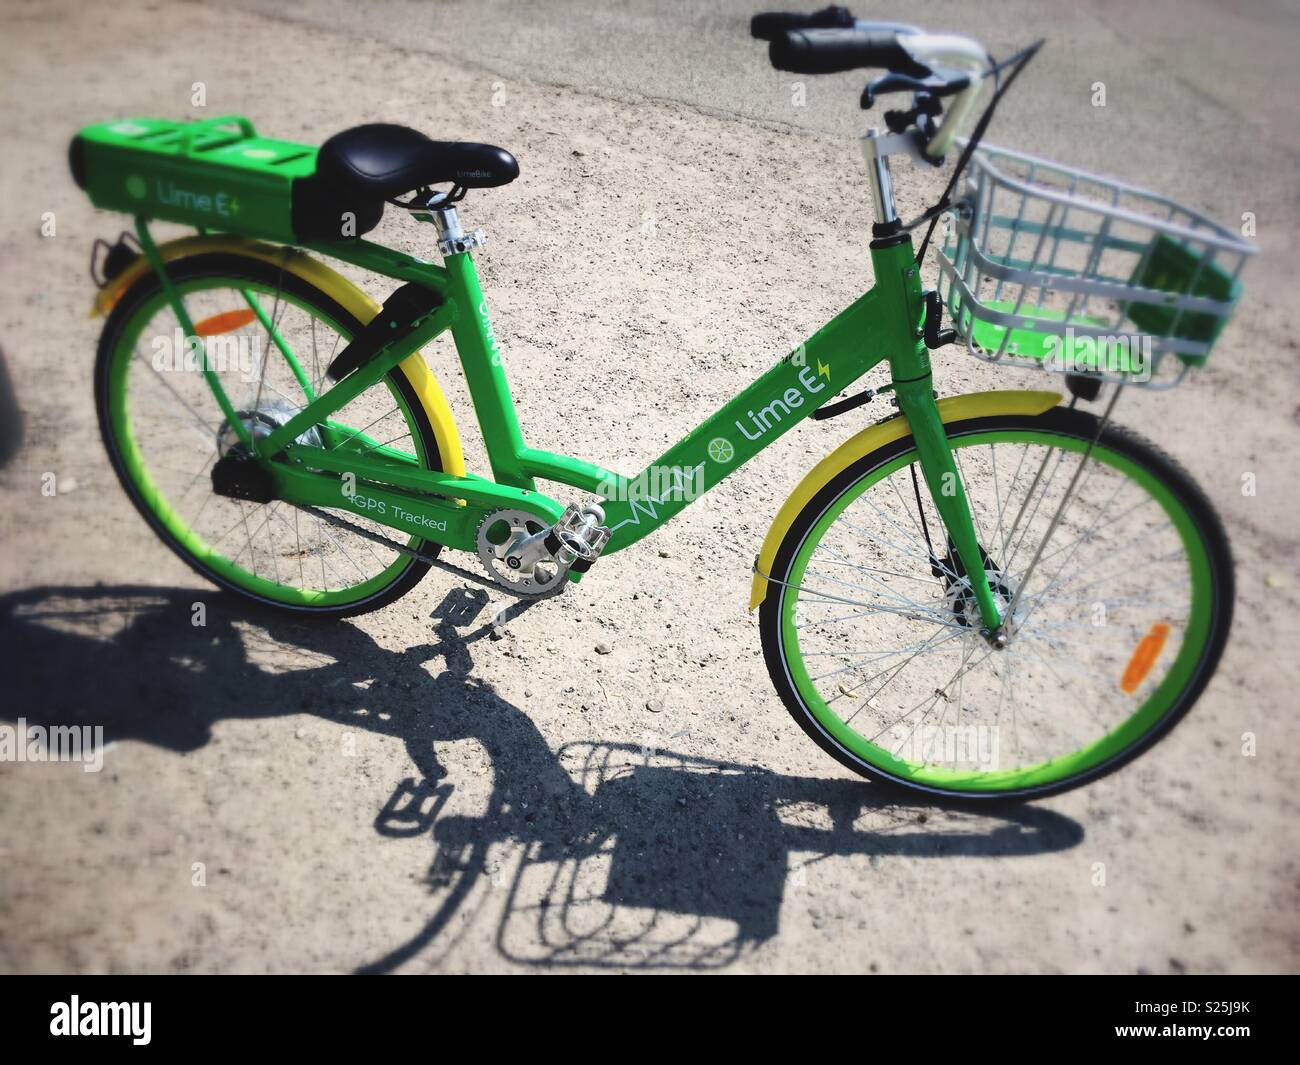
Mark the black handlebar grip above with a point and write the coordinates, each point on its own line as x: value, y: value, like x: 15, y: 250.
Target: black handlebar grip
x: 772, y: 24
x: 831, y: 51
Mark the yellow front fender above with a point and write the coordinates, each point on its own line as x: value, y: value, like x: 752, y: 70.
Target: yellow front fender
x: 952, y: 409
x: 334, y: 285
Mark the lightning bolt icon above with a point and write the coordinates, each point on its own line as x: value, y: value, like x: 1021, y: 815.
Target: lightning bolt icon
x: 823, y: 370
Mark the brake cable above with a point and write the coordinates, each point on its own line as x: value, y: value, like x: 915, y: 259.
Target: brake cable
x: 1017, y: 63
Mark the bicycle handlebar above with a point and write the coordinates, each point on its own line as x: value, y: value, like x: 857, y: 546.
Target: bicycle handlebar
x: 831, y: 41
x: 773, y: 24
x: 831, y: 51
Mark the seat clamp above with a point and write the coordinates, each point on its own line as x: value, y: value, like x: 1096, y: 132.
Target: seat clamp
x: 461, y: 242
x: 452, y: 240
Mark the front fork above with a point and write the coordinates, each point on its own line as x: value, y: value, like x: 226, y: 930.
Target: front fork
x: 900, y: 282
x: 916, y: 401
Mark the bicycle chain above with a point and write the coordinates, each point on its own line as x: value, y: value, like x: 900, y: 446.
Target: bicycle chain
x: 432, y: 560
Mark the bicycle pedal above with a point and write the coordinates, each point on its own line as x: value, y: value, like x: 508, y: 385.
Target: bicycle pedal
x: 577, y: 539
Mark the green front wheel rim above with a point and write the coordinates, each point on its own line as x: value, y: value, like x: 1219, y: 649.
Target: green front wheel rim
x: 1050, y: 773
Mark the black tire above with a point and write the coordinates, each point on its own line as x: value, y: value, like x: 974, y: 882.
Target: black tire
x: 229, y: 265
x: 1065, y: 421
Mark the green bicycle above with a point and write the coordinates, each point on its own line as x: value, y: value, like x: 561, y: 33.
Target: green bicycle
x: 986, y: 596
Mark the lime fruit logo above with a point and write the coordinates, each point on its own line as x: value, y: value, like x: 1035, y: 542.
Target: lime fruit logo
x: 136, y: 187
x: 720, y: 449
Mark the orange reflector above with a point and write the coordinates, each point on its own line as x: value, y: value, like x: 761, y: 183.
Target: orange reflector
x: 1144, y: 657
x: 226, y: 322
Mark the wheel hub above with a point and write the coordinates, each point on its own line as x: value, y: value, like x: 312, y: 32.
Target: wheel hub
x: 237, y: 474
x: 960, y: 595
x: 260, y: 423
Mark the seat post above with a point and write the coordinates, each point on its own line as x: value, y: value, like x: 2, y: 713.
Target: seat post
x: 447, y: 219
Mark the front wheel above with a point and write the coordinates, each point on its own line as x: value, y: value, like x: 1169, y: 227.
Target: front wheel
x: 873, y: 639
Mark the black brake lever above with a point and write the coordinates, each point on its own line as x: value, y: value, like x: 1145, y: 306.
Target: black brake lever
x: 935, y: 87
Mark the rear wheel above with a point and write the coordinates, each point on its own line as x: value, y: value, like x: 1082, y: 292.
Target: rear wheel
x: 164, y: 431
x: 874, y: 642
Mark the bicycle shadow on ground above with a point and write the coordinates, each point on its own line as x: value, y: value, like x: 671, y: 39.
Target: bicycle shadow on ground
x: 602, y: 854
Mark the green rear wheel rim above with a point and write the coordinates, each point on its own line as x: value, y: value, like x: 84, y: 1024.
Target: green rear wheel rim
x: 175, y: 525
x: 1043, y: 774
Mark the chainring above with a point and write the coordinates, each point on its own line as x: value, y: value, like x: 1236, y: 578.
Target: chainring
x: 511, y: 547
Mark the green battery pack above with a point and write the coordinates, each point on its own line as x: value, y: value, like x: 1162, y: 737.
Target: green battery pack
x: 218, y: 174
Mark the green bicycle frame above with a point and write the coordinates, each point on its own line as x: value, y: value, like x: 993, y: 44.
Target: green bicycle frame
x: 387, y: 486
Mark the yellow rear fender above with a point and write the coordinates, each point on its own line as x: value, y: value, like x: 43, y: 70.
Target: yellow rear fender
x: 334, y: 285
x: 952, y: 409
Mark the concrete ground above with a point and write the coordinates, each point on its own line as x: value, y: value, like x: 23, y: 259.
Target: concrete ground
x: 404, y: 792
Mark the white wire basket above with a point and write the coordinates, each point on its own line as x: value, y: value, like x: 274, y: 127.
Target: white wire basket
x: 1059, y: 269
